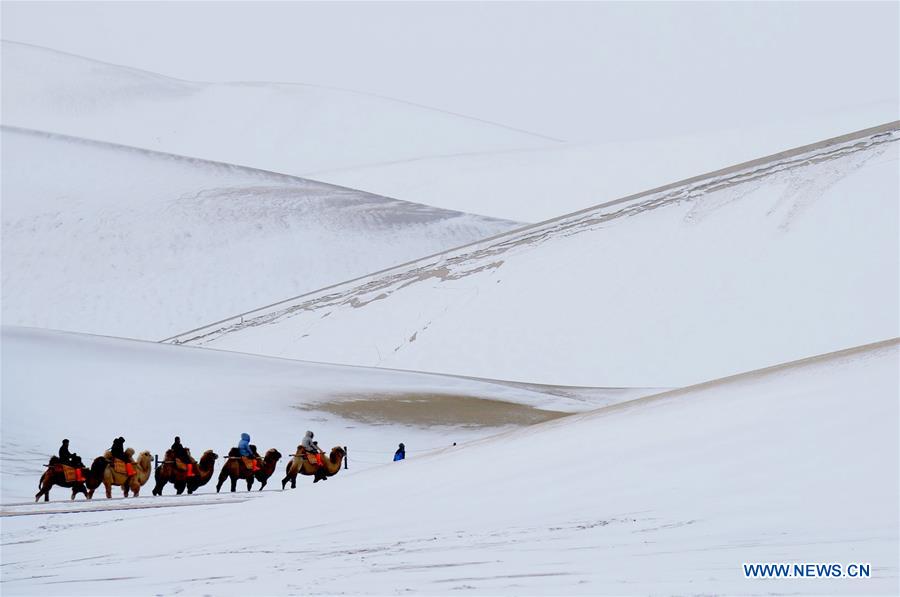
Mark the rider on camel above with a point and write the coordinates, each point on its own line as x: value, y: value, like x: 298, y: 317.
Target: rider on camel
x: 65, y: 457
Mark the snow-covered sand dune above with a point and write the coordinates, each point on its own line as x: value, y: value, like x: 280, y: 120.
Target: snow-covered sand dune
x: 114, y: 240
x: 535, y: 184
x: 92, y: 389
x: 281, y: 127
x: 787, y: 256
x: 671, y: 493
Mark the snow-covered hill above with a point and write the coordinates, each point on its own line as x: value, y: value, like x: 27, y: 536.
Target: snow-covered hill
x: 777, y: 259
x: 282, y: 127
x: 671, y: 494
x: 532, y: 185
x: 114, y: 240
x: 91, y: 389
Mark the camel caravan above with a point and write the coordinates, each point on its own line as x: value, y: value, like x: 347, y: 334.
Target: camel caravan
x: 118, y: 467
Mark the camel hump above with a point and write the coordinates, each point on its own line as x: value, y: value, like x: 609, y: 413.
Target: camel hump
x: 234, y: 452
x: 107, y: 455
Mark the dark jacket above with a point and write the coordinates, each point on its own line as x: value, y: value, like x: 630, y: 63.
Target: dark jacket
x: 118, y: 448
x: 180, y: 452
x: 65, y: 457
x: 400, y: 454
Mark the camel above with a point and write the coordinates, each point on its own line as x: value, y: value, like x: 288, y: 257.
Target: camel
x: 331, y: 465
x: 235, y: 468
x: 112, y: 477
x: 169, y: 471
x: 54, y: 475
x: 205, y: 471
x: 143, y: 467
x: 95, y: 475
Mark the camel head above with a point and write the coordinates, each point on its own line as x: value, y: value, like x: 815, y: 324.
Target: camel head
x: 209, y: 456
x: 337, y: 452
x: 272, y: 455
x: 145, y: 458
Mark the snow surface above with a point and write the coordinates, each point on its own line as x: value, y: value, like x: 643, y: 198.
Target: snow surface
x: 778, y: 259
x: 383, y: 146
x: 532, y: 185
x: 287, y: 128
x: 667, y: 494
x: 91, y: 389
x: 113, y: 240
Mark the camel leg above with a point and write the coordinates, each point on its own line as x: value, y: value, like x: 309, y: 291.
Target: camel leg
x: 125, y: 489
x: 45, y: 491
x: 108, y: 487
x: 249, y: 483
x: 222, y: 476
x: 263, y: 484
x: 233, y: 484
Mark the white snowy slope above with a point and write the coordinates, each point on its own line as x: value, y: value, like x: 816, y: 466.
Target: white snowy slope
x: 773, y: 260
x: 663, y: 495
x: 91, y: 389
x: 281, y: 127
x: 114, y: 240
x: 532, y: 185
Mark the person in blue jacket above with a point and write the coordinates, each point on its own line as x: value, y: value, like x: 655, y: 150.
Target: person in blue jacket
x: 244, y: 445
x: 400, y: 454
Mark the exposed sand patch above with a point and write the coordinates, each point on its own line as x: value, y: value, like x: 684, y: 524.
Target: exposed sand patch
x: 433, y: 409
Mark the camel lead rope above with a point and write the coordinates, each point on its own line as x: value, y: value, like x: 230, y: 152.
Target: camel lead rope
x: 346, y: 459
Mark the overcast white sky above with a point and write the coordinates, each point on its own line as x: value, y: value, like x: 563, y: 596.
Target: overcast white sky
x: 577, y: 71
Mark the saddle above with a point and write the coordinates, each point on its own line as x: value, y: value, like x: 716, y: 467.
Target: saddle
x: 315, y: 459
x: 122, y: 467
x: 189, y: 469
x: 72, y: 474
x: 251, y: 463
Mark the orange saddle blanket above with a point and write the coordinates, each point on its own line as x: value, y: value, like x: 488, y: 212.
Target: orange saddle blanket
x: 73, y: 474
x: 315, y: 459
x: 251, y: 463
x: 187, y: 468
x: 122, y: 467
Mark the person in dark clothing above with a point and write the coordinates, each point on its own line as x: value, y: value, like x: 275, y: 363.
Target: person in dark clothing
x: 65, y: 457
x: 118, y: 448
x: 400, y: 454
x: 180, y: 451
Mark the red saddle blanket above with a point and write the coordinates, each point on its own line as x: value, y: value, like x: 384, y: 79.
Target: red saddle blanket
x: 315, y: 459
x: 188, y: 469
x: 72, y: 474
x: 122, y: 467
x: 251, y: 463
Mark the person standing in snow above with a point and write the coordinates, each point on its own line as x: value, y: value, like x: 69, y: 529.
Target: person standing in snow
x: 400, y: 454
